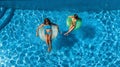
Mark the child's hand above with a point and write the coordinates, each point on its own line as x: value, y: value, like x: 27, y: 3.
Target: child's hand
x: 61, y: 32
x: 37, y: 34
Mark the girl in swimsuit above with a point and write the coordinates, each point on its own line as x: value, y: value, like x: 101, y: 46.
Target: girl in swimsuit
x: 47, y: 31
x: 74, y: 19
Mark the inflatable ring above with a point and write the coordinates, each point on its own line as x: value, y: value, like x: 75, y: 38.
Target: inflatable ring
x: 78, y: 22
x: 54, y: 32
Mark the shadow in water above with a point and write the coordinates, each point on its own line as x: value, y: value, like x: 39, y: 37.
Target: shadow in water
x: 8, y: 19
x: 2, y: 11
x: 88, y: 32
x: 65, y: 41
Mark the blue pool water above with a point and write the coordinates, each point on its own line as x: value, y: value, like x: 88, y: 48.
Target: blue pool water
x: 95, y: 44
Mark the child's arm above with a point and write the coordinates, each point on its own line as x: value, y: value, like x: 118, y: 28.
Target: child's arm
x: 71, y: 16
x: 38, y: 29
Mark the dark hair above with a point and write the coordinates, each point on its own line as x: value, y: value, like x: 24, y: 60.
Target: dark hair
x: 47, y: 20
x: 76, y: 16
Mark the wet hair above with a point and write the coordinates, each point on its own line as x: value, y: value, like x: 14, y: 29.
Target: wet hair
x: 76, y: 16
x: 47, y: 20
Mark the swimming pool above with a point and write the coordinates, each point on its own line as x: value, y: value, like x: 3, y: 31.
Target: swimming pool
x: 95, y: 44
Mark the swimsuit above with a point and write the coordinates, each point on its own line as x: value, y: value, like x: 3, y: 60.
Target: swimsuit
x: 74, y: 24
x: 47, y: 27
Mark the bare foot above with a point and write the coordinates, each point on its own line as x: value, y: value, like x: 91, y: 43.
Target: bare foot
x: 49, y: 49
x: 66, y: 34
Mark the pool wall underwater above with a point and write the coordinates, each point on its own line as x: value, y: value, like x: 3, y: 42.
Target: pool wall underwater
x: 60, y: 4
x: 95, y: 44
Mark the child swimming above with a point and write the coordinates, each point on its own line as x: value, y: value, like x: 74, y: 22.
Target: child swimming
x: 73, y: 23
x: 47, y: 25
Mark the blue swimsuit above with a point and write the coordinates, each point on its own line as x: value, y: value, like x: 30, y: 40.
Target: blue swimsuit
x: 47, y: 27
